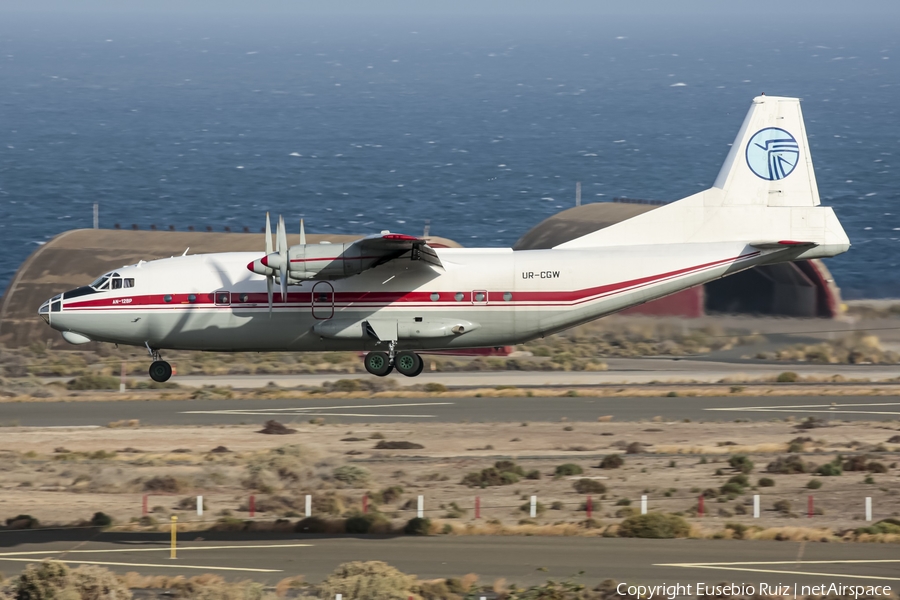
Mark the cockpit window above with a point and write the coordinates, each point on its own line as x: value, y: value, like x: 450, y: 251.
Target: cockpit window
x: 101, y: 283
x: 117, y: 283
x: 128, y: 282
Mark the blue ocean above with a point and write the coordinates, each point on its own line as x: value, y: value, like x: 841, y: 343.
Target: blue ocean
x: 481, y: 127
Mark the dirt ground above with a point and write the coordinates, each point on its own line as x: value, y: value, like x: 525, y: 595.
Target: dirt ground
x: 61, y: 475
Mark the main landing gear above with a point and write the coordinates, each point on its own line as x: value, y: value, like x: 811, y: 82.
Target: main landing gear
x: 382, y: 363
x: 160, y: 370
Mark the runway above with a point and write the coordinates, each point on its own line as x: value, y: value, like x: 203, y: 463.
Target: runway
x: 450, y: 410
x: 522, y: 560
x: 620, y: 370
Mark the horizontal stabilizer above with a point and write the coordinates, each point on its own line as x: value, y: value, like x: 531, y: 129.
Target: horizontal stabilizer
x: 783, y: 245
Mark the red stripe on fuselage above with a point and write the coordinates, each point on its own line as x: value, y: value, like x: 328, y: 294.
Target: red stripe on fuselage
x: 521, y: 298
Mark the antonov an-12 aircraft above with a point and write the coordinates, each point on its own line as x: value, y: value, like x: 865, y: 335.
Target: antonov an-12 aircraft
x: 392, y: 295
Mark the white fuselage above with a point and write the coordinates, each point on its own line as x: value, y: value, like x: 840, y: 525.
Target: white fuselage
x: 481, y: 297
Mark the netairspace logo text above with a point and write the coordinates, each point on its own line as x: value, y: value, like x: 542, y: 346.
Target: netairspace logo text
x: 677, y: 590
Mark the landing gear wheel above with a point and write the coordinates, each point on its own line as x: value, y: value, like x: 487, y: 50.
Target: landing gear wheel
x: 378, y: 363
x: 409, y: 363
x: 160, y: 371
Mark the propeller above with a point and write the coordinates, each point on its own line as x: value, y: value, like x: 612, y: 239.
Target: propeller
x: 284, y: 262
x: 302, y: 233
x: 270, y: 279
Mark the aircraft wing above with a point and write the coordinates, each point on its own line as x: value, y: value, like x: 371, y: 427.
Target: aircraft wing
x: 395, y: 245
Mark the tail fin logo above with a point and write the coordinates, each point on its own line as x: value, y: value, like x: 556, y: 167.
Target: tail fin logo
x: 772, y: 153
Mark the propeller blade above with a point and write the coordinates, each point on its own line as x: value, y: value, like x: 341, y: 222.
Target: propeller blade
x: 302, y: 233
x: 268, y: 235
x: 284, y: 285
x: 269, y: 281
x: 284, y: 256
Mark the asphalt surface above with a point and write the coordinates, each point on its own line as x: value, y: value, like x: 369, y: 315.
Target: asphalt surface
x: 523, y: 560
x: 621, y: 370
x: 386, y: 410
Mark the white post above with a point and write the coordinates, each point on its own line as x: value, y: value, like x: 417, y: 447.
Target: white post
x: 122, y: 379
x: 338, y: 597
x: 308, y: 505
x: 421, y: 509
x: 533, y: 506
x: 868, y: 508
x: 199, y: 506
x: 755, y: 506
x: 643, y: 505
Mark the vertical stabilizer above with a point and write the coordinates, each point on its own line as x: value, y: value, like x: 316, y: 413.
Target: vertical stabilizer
x: 769, y: 162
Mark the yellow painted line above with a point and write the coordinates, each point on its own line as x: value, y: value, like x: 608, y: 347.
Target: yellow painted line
x: 172, y: 565
x: 160, y: 549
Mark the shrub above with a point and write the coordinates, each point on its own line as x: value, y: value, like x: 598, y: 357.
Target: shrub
x: 351, y: 475
x: 883, y: 526
x: 738, y: 530
x: 741, y: 480
x: 93, y: 382
x: 533, y: 474
x: 388, y: 495
x: 829, y: 470
x: 765, y: 482
x: 51, y: 580
x: 311, y: 525
x: 589, y: 486
x: 362, y: 524
x: 731, y: 488
x: 741, y: 462
x: 504, y: 472
x: 789, y: 465
x: 101, y: 520
x: 539, y: 508
x: 814, y: 484
x: 165, y: 484
x: 417, y: 526
x: 634, y: 448
x: 654, y: 525
x: 787, y: 377
x: 623, y: 502
x: 710, y: 493
x: 435, y: 387
x: 876, y: 467
x: 385, y: 445
x: 612, y: 461
x: 854, y: 463
x: 557, y: 505
x: 783, y: 506
x: 373, y: 579
x: 22, y: 522
x: 568, y: 469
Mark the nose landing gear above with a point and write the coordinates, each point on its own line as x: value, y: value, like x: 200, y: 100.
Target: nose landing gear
x: 160, y: 370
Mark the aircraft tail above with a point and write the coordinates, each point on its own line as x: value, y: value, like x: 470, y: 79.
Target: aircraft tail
x: 765, y: 194
x: 769, y: 162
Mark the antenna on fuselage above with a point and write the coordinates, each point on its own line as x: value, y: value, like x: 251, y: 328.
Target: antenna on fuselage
x: 185, y: 251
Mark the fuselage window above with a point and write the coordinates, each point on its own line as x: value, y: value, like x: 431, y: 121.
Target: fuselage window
x: 321, y: 297
x: 507, y: 296
x: 128, y: 282
x: 435, y: 297
x: 167, y: 298
x: 459, y: 296
x: 244, y: 297
x: 192, y: 298
x: 117, y: 283
x: 480, y: 297
x: 222, y: 298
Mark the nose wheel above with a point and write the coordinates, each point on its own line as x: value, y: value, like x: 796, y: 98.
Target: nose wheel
x: 160, y: 371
